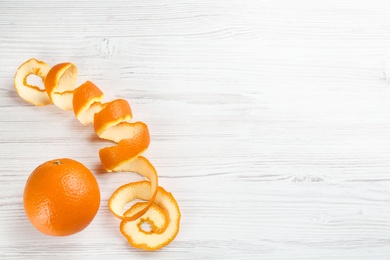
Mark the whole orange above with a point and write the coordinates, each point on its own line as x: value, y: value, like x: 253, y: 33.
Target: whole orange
x: 61, y: 197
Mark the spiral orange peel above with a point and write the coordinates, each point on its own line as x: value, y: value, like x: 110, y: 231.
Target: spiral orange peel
x: 155, y: 217
x: 112, y: 121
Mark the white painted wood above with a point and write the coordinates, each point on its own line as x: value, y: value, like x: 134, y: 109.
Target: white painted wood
x: 270, y: 122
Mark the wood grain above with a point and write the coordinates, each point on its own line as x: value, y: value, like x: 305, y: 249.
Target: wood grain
x: 269, y: 122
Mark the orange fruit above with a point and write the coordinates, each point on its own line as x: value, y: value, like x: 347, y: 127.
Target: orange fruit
x: 59, y: 84
x: 61, y: 197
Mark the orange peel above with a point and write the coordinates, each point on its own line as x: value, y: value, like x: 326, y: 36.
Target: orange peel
x: 59, y: 84
x: 30, y: 93
x: 136, y: 142
x: 156, y: 217
x: 117, y: 203
x: 160, y: 234
x: 110, y: 122
x: 86, y: 102
x: 133, y: 139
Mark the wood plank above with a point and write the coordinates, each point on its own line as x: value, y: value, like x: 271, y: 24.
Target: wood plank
x: 269, y: 122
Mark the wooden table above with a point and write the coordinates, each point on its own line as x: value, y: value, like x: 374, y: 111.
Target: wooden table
x: 269, y: 122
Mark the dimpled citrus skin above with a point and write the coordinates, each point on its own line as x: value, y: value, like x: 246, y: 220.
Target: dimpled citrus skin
x: 61, y: 197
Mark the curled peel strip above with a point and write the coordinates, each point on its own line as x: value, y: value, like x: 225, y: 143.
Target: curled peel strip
x: 133, y: 139
x: 30, y: 93
x: 143, y: 167
x: 114, y: 158
x: 86, y: 102
x: 111, y: 122
x: 60, y: 82
x: 156, y: 217
x: 164, y: 218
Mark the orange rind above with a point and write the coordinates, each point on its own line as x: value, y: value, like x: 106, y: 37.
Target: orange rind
x: 86, y: 102
x: 61, y: 197
x: 160, y: 235
x: 111, y: 121
x: 156, y: 218
x: 136, y: 142
x: 30, y: 93
x: 60, y: 82
x: 118, y: 200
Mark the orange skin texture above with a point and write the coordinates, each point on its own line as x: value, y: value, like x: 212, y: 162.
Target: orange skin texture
x: 61, y: 197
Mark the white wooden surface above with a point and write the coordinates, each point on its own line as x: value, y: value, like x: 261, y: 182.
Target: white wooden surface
x: 270, y: 122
